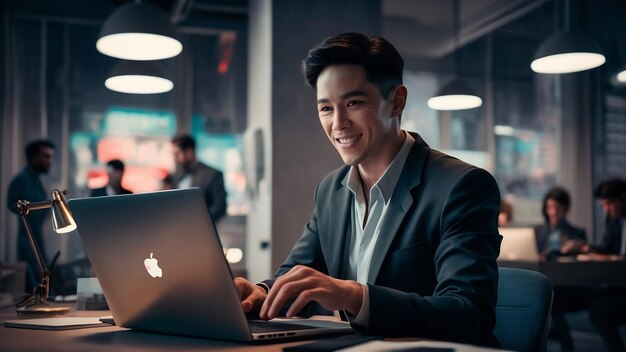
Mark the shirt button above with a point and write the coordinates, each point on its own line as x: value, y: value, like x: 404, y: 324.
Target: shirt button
x: 362, y: 248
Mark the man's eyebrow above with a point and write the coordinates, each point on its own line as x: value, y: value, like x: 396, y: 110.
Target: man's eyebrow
x: 353, y: 93
x: 347, y: 95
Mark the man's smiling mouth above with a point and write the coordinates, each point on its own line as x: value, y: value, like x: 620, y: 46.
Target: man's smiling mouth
x: 348, y: 140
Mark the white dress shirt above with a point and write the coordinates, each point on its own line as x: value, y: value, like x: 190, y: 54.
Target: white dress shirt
x: 366, y: 230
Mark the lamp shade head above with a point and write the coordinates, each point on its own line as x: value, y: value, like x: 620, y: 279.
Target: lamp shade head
x: 566, y: 52
x: 138, y: 31
x: 62, y: 219
x: 138, y: 77
x: 455, y: 95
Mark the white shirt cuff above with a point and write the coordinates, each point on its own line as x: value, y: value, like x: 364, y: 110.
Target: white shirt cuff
x: 264, y: 286
x: 364, y: 314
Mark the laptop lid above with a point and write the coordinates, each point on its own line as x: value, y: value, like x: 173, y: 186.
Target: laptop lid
x: 518, y: 244
x: 161, y: 265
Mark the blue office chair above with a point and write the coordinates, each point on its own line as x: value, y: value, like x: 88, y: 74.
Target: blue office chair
x: 523, y: 310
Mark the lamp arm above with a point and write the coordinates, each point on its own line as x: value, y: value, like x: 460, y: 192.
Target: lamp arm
x: 41, y: 291
x: 24, y: 206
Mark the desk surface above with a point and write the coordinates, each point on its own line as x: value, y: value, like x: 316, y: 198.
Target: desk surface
x: 574, y: 273
x: 112, y: 338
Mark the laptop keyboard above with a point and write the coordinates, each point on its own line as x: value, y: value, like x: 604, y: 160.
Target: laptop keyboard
x: 260, y: 326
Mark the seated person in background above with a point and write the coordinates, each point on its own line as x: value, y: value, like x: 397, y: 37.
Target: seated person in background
x: 556, y: 236
x: 403, y: 238
x: 506, y: 213
x: 609, y: 311
x: 115, y: 171
x: 611, y: 195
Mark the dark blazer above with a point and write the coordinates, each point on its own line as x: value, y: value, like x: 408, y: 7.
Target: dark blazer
x: 433, y: 273
x: 101, y: 192
x: 211, y: 182
x: 568, y: 232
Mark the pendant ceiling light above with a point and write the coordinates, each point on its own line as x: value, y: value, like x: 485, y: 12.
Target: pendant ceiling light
x: 138, y: 77
x: 567, y: 51
x: 621, y: 76
x: 138, y: 31
x: 455, y: 95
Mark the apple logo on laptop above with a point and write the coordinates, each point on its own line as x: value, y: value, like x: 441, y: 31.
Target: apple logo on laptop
x: 152, y: 265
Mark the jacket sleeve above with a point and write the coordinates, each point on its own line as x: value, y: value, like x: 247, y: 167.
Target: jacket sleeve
x: 307, y: 251
x: 462, y: 306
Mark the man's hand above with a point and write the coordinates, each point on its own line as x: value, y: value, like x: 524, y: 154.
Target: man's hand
x: 308, y: 285
x: 574, y: 246
x: 250, y: 295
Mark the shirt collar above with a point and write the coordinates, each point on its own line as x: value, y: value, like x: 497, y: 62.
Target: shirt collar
x: 386, y: 184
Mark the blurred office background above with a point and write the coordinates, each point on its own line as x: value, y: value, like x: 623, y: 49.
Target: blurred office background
x: 239, y: 91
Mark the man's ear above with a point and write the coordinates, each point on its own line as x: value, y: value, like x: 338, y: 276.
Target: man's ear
x: 399, y: 97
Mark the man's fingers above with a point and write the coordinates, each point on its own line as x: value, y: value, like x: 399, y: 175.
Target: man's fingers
x: 303, y: 299
x: 296, y: 273
x: 247, y: 305
x: 288, y: 290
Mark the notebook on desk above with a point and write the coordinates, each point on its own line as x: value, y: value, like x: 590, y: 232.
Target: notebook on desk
x: 161, y: 266
x: 518, y: 244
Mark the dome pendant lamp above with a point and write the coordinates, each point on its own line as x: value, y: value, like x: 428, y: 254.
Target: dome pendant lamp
x: 455, y: 95
x: 138, y: 31
x: 138, y: 77
x: 567, y: 51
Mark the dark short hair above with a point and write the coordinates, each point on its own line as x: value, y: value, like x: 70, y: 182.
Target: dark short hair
x: 34, y: 147
x: 184, y: 142
x: 558, y: 194
x: 382, y: 63
x: 611, y: 189
x: 116, y: 164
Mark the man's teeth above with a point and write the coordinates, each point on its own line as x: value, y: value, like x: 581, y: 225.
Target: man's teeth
x: 348, y: 140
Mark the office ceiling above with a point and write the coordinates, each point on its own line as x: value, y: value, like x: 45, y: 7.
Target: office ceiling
x: 425, y: 28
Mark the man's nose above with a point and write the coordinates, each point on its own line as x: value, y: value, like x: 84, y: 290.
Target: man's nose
x: 340, y: 119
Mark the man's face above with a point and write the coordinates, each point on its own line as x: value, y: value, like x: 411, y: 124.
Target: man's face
x: 42, y: 161
x: 182, y: 157
x: 115, y: 176
x: 555, y: 210
x: 612, y: 207
x: 354, y: 115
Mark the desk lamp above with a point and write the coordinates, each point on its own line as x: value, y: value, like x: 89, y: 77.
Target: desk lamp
x: 62, y: 222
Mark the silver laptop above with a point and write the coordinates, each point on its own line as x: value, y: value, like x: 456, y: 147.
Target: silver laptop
x: 162, y: 268
x: 518, y: 244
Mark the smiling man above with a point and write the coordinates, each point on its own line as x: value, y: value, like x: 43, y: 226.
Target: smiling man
x: 403, y: 238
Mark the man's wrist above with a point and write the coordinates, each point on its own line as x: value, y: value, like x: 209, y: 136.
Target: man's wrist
x: 357, y: 298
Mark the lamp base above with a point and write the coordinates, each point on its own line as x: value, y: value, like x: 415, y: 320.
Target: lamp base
x: 42, y: 309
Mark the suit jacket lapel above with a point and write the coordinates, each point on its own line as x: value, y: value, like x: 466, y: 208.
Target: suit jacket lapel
x: 399, y: 204
x: 340, y: 230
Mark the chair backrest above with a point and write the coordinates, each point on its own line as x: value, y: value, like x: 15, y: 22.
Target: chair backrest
x: 523, y: 309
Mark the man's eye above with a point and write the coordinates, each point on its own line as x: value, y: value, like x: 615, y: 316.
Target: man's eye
x: 354, y: 102
x: 325, y: 109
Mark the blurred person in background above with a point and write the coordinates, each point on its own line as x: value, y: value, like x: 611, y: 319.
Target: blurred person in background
x: 608, y: 312
x: 556, y: 236
x: 506, y: 213
x: 611, y: 195
x: 192, y: 173
x: 27, y: 185
x: 115, y: 171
